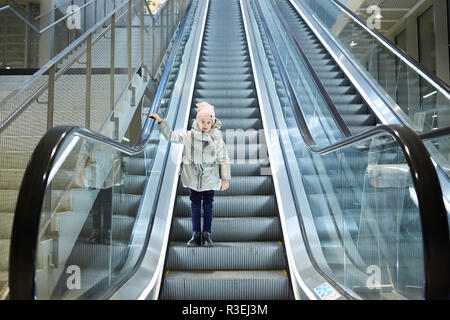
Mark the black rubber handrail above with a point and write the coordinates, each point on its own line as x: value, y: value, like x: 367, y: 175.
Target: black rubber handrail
x: 435, y: 134
x: 25, y: 231
x: 433, y: 215
x: 329, y: 102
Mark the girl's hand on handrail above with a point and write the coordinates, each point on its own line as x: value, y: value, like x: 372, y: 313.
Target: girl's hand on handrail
x: 156, y: 117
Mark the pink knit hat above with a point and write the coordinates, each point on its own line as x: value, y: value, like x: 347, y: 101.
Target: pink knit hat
x: 205, y: 111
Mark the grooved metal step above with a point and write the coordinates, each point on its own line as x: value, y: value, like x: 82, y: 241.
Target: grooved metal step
x: 226, y: 285
x: 232, y: 229
x: 227, y: 256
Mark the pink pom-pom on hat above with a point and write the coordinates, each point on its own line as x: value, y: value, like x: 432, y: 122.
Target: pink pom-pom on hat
x: 205, y: 111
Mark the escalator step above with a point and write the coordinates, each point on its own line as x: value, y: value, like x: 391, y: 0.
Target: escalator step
x: 227, y: 256
x: 235, y: 206
x: 226, y: 285
x: 231, y: 229
x: 242, y: 185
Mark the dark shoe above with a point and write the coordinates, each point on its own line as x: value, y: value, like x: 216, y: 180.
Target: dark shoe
x: 106, y: 237
x: 196, y: 240
x: 207, y: 242
x: 96, y: 236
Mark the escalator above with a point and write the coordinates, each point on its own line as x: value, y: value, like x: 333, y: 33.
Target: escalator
x: 313, y: 217
x: 371, y: 81
x: 360, y: 182
x: 248, y: 253
x: 354, y: 110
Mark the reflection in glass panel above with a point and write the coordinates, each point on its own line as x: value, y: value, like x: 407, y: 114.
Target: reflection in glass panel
x: 427, y: 56
x: 427, y: 45
x: 400, y: 40
x: 401, y: 74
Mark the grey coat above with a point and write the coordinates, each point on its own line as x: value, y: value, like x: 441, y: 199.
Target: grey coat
x: 205, y: 156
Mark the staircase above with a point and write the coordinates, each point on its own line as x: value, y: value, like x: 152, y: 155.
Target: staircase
x: 21, y: 137
x: 13, y: 38
x: 248, y: 258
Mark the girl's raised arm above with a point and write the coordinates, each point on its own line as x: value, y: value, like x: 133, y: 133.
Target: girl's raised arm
x: 176, y: 137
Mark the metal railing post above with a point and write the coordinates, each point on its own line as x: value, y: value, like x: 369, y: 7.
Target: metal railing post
x: 153, y: 46
x: 88, y: 81
x: 51, y: 96
x: 115, y: 134
x: 142, y: 34
x: 166, y: 9
x: 161, y: 20
x: 170, y: 3
x: 112, y: 61
x: 129, y: 42
x: 5, y: 43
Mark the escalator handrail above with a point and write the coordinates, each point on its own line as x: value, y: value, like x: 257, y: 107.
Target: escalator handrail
x: 438, y: 83
x: 331, y: 106
x: 433, y: 215
x: 25, y: 231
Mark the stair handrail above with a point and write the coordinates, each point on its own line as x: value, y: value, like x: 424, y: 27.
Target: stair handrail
x: 39, y: 172
x: 433, y: 215
x: 412, y: 63
x: 57, y: 6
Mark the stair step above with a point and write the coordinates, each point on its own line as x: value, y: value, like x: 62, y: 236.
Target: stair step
x: 4, y: 253
x: 226, y: 285
x: 14, y: 160
x: 224, y: 113
x: 121, y: 227
x: 90, y: 255
x: 242, y: 185
x: 231, y: 229
x: 230, y: 102
x: 224, y: 85
x: 224, y: 93
x: 226, y: 256
x: 6, y: 222
x: 233, y: 206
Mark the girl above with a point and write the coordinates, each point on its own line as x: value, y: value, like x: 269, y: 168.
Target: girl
x: 205, y: 167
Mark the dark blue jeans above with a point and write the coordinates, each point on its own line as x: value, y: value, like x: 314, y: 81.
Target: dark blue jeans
x: 208, y: 199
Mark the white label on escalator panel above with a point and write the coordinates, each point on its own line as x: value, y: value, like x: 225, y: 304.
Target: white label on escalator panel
x: 326, y: 292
